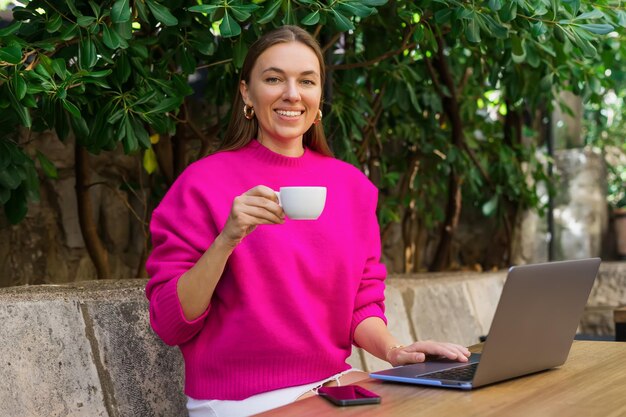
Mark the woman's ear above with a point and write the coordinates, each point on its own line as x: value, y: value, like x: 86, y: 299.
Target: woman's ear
x: 243, y: 89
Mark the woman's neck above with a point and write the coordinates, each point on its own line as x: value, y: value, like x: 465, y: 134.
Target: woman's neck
x: 291, y: 148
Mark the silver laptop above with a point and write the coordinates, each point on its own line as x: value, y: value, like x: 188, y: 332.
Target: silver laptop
x: 532, y: 330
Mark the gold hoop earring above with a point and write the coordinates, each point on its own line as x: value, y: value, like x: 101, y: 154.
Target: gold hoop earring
x: 248, y: 112
x: 318, y: 118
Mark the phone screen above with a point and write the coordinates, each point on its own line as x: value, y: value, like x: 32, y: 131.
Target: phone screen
x: 349, y: 395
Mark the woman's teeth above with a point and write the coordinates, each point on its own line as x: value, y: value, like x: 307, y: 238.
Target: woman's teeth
x: 288, y: 113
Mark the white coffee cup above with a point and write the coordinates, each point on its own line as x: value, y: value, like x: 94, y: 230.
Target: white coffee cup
x: 302, y: 203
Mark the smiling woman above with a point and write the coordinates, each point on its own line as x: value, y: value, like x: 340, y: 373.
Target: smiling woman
x: 266, y: 308
x: 297, y: 60
x: 285, y: 92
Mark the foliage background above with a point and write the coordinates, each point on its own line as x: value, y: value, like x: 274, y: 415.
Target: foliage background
x: 444, y: 104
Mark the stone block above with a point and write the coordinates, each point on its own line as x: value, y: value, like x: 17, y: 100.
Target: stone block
x: 354, y: 360
x: 597, y: 322
x: 580, y: 210
x: 85, y: 350
x: 443, y: 311
x: 145, y: 377
x: 484, y: 295
x: 46, y: 361
x: 397, y: 322
x: 609, y: 288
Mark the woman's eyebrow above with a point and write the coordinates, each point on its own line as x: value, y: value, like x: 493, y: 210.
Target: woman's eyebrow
x: 280, y: 71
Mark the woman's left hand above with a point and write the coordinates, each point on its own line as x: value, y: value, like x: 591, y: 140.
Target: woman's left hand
x: 418, y: 351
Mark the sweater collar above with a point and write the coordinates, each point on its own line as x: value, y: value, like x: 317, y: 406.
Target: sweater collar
x: 273, y: 158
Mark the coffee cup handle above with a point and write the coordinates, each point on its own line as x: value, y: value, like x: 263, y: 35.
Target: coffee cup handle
x: 278, y: 197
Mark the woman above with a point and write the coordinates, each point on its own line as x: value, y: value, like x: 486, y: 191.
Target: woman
x: 266, y: 309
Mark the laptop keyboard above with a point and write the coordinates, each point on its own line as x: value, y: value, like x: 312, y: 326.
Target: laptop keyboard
x: 463, y: 373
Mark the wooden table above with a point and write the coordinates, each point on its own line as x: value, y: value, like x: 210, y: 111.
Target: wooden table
x: 591, y: 383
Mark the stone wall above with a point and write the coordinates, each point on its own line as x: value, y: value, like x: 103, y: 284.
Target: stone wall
x: 581, y: 217
x: 86, y: 349
x: 48, y: 247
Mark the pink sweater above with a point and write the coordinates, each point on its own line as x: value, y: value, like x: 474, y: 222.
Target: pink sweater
x: 285, y: 309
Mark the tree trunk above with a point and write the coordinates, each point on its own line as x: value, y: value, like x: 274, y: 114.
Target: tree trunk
x: 453, y: 212
x: 454, y: 203
x: 97, y: 252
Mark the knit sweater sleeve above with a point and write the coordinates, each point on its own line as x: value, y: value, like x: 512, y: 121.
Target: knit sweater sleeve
x: 371, y: 293
x: 181, y: 232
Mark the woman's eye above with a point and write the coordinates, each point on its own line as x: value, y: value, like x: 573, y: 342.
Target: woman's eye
x: 271, y: 80
x: 308, y: 82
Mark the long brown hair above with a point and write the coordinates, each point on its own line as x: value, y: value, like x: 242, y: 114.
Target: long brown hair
x: 240, y: 130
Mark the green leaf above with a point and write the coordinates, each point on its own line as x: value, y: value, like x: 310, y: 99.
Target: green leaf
x: 141, y: 133
x: 538, y: 29
x: 187, y: 61
x: 342, y: 23
x: 472, y: 30
x: 87, y: 54
x: 69, y: 32
x: 243, y: 12
x: 124, y: 30
x: 167, y: 105
x: 85, y: 21
x: 205, y: 8
x: 97, y: 10
x: 22, y: 112
x: 110, y: 38
x: 162, y: 13
x: 115, y: 116
x: 597, y: 28
x: 11, y: 54
x: 11, y: 29
x: 129, y: 140
x: 581, y: 42
x: 19, y: 85
x: 443, y: 15
x: 490, y: 207
x: 16, y: 207
x: 374, y: 2
x: 146, y: 98
x: 54, y: 24
x: 355, y: 9
x: 270, y: 12
x: 621, y: 18
x: 70, y: 4
x: 495, y: 5
x: 229, y: 26
x: 311, y: 19
x: 99, y: 74
x: 80, y: 128
x: 495, y: 28
x: 509, y: 11
x: 239, y: 52
x: 518, y: 48
x: 546, y: 82
x: 47, y: 166
x: 71, y: 108
x: 9, y: 177
x: 58, y: 66
x: 594, y: 14
x: 120, y: 11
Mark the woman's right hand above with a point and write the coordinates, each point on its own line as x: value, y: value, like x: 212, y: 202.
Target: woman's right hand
x: 258, y: 205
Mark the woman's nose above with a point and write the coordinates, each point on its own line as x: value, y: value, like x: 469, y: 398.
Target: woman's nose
x: 291, y: 91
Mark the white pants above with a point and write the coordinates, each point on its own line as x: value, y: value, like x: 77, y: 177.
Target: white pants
x: 257, y: 403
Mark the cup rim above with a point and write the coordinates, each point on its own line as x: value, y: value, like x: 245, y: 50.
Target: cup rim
x: 303, y: 186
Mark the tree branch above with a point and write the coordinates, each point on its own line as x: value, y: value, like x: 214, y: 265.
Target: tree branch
x: 97, y: 252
